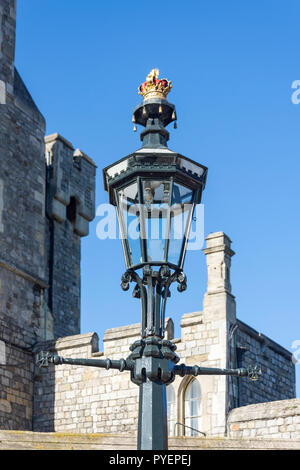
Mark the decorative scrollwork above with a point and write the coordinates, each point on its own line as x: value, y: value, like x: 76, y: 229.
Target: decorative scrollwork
x: 153, y: 288
x: 43, y: 359
x: 254, y: 372
x: 182, y: 283
x: 125, y: 280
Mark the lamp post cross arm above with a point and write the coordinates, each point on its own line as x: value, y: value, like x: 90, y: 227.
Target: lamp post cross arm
x: 45, y: 358
x: 252, y: 372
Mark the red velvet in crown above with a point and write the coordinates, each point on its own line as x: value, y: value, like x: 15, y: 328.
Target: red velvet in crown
x: 154, y: 87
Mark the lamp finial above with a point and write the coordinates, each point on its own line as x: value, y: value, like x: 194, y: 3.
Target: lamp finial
x: 154, y: 87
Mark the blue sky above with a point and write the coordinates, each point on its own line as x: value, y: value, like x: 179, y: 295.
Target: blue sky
x: 232, y: 65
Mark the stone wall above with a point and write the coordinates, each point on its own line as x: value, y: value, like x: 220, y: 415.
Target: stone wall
x: 278, y: 371
x: 7, y: 49
x: 18, y: 440
x: 87, y: 399
x: 22, y: 231
x: 273, y: 420
x: 36, y: 281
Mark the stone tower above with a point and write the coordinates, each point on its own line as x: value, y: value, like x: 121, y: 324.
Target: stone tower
x: 45, y: 208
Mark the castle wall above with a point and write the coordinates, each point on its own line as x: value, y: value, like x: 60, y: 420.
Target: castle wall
x: 22, y: 231
x: 70, y: 207
x: 86, y: 399
x: 39, y: 285
x: 20, y: 440
x: 273, y: 420
x: 278, y: 370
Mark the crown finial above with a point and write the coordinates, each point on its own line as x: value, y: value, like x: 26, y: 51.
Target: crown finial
x: 154, y: 87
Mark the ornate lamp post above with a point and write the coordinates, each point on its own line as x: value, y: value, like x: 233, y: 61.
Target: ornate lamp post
x: 155, y: 191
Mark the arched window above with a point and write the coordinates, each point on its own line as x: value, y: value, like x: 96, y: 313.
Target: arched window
x: 171, y: 408
x: 192, y: 408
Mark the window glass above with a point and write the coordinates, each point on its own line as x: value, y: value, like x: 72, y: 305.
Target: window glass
x: 171, y: 407
x: 192, y: 409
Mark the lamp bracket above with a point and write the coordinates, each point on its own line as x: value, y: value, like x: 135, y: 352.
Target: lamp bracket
x: 153, y: 288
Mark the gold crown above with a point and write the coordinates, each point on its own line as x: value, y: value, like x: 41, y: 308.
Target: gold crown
x: 154, y: 87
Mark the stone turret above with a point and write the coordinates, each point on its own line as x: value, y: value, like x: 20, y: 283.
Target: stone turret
x: 71, y: 184
x: 218, y: 258
x: 219, y: 310
x: 70, y: 205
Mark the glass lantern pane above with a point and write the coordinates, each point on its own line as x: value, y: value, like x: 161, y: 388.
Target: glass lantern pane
x: 129, y: 211
x: 156, y: 197
x: 182, y: 205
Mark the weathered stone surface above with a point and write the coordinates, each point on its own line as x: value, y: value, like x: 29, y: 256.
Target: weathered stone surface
x: 12, y: 440
x: 276, y: 419
x: 39, y: 257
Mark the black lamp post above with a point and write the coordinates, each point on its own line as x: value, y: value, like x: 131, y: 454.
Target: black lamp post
x: 155, y: 191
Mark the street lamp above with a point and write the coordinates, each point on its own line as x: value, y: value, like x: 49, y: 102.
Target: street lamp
x: 155, y: 191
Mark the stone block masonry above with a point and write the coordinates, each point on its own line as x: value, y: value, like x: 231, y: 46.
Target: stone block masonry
x: 278, y: 371
x: 39, y: 285
x: 20, y: 440
x: 22, y: 231
x: 70, y: 206
x: 87, y: 399
x: 90, y: 400
x: 273, y: 420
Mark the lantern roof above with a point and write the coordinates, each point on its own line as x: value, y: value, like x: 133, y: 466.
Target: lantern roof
x: 159, y: 163
x: 154, y: 159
